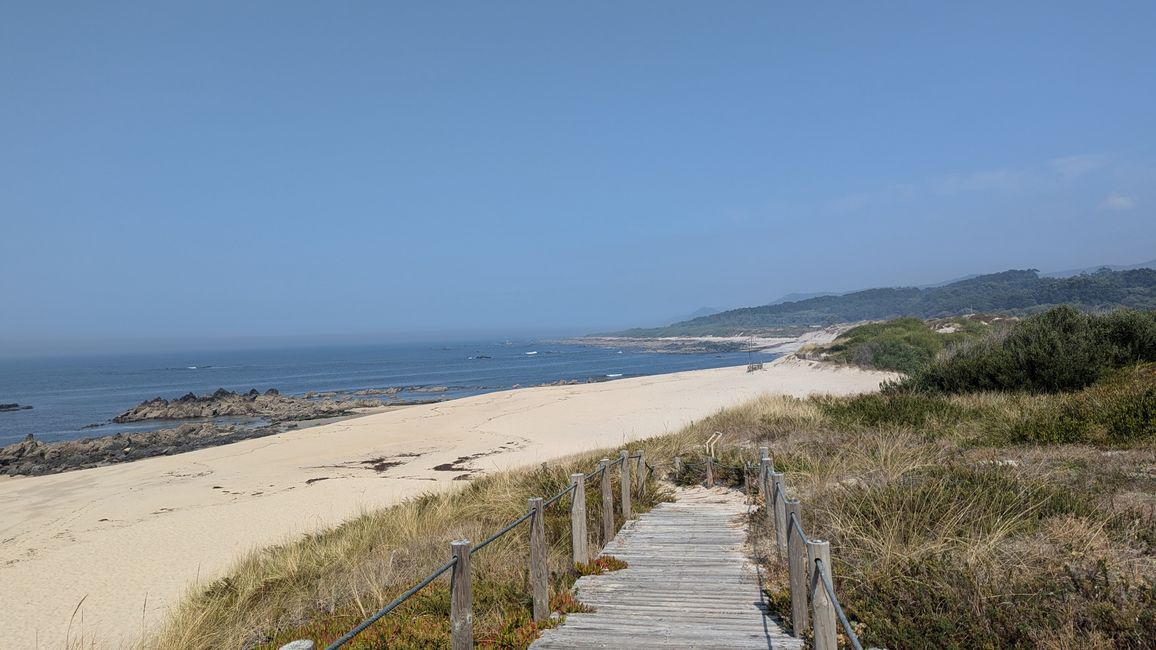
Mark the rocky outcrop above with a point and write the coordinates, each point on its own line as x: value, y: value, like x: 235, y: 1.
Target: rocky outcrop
x: 223, y: 403
x: 13, y: 407
x: 31, y: 457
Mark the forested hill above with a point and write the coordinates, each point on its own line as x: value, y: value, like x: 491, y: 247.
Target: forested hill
x: 1010, y: 292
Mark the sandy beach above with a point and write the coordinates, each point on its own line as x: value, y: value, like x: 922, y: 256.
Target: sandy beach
x: 125, y: 541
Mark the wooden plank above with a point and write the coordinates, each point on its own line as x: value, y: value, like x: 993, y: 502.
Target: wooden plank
x: 689, y: 584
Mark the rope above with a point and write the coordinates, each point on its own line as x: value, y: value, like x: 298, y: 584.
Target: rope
x: 511, y: 526
x: 798, y: 525
x: 591, y: 475
x: 561, y: 494
x: 820, y: 573
x: 391, y: 606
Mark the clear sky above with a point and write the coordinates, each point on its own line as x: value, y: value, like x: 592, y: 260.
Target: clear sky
x: 205, y: 169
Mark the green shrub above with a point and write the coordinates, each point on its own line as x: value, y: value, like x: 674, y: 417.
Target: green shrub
x: 1057, y: 350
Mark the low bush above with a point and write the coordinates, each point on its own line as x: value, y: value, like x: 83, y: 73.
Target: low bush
x: 1057, y: 350
x: 1120, y: 410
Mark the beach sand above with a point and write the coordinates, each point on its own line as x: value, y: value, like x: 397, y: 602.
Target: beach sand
x: 127, y: 540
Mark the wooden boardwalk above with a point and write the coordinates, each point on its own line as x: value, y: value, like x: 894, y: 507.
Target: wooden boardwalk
x: 689, y: 584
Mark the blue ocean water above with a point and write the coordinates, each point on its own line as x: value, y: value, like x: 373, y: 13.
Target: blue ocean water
x: 70, y: 394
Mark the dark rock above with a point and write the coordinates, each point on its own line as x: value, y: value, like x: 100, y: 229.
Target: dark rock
x: 13, y: 407
x: 272, y: 392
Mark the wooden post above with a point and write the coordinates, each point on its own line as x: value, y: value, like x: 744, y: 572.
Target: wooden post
x: 677, y: 465
x: 578, y: 537
x: 765, y: 483
x: 461, y: 598
x: 607, y: 503
x: 764, y: 452
x: 624, y: 483
x: 709, y: 472
x: 640, y: 473
x: 539, y: 570
x: 822, y: 608
x: 779, y: 493
x: 768, y: 495
x: 797, y: 570
x: 746, y: 479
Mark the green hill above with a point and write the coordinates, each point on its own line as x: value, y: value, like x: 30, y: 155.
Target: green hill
x: 1009, y: 292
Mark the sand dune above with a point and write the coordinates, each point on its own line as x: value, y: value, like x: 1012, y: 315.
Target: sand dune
x: 128, y: 539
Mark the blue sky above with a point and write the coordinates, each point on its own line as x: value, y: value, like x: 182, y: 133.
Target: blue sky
x: 221, y: 169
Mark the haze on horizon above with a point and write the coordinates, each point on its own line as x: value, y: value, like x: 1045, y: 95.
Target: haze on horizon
x: 217, y: 171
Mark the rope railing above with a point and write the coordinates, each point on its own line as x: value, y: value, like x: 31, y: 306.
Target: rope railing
x: 461, y: 615
x: 807, y: 560
x: 556, y: 497
x: 392, y: 605
x: 510, y: 526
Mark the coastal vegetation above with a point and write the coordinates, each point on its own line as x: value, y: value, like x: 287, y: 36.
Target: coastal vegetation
x: 960, y: 514
x: 1002, y: 495
x: 1015, y: 292
x: 904, y: 344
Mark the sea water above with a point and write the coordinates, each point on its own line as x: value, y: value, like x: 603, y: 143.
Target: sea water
x: 77, y: 397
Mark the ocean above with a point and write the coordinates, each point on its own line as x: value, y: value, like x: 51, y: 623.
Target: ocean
x: 77, y: 397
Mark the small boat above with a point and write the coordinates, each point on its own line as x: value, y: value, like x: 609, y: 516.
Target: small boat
x: 530, y: 353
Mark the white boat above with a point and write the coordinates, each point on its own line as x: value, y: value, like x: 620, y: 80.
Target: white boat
x: 534, y: 352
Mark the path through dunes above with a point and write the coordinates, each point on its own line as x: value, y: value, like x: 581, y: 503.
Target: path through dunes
x: 689, y: 584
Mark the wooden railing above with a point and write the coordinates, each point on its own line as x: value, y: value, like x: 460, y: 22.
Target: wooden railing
x: 808, y: 564
x: 461, y: 551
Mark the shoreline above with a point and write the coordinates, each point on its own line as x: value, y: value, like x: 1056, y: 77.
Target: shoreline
x: 129, y: 539
x: 707, y: 344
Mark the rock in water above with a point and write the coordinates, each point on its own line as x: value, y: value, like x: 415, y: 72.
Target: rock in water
x: 270, y: 404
